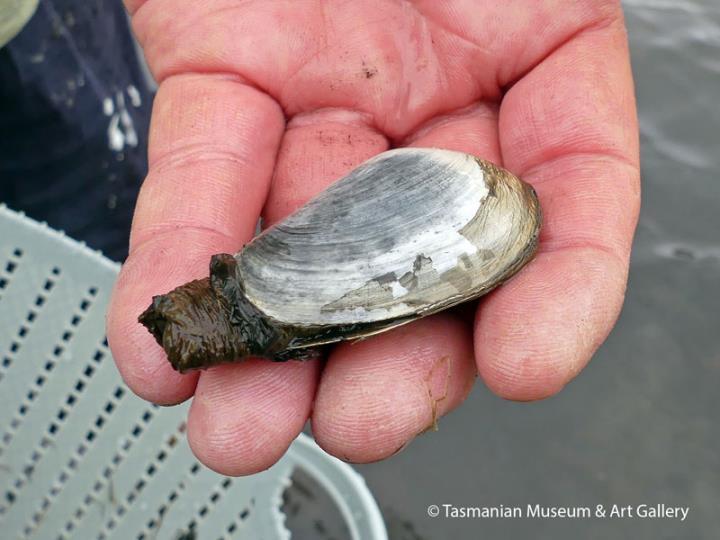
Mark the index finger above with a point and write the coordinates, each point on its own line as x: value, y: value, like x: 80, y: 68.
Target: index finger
x: 213, y: 141
x: 569, y: 128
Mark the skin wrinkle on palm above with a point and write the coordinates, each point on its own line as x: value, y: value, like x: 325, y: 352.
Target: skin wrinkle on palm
x: 568, y: 122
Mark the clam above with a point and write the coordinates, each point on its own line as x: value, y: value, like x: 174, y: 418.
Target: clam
x: 406, y: 234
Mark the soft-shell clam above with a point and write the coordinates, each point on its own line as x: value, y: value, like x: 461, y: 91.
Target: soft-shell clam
x: 406, y: 234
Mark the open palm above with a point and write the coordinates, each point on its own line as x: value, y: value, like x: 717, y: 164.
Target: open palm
x: 263, y: 103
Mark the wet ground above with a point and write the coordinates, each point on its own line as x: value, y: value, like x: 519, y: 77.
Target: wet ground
x: 641, y: 424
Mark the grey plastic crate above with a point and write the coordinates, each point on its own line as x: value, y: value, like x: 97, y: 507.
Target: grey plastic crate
x: 81, y: 456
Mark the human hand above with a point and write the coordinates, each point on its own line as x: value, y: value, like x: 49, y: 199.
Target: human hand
x: 262, y: 104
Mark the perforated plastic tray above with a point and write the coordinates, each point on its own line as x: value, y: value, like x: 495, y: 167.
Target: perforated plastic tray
x: 82, y: 457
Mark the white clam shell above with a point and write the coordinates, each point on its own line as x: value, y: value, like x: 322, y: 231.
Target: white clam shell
x: 410, y: 232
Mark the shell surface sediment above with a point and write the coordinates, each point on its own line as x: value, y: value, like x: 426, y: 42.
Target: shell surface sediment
x: 409, y: 232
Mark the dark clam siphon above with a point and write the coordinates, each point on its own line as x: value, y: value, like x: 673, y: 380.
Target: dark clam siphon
x: 406, y: 234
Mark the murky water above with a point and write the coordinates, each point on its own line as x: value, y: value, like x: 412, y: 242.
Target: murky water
x: 640, y: 425
x: 676, y: 60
